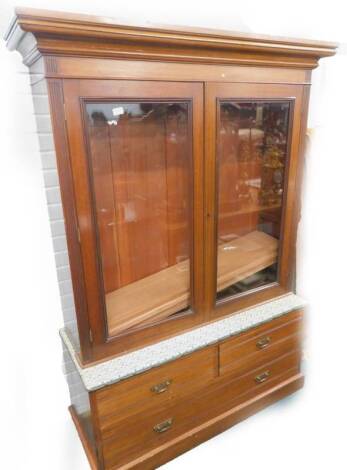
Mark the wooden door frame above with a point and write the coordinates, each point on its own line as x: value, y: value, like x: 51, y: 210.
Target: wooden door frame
x: 75, y: 93
x: 214, y: 92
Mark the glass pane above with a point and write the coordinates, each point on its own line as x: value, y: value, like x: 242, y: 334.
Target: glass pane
x: 252, y: 152
x: 140, y: 159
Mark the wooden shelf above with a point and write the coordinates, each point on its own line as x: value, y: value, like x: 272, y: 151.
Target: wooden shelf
x: 158, y: 296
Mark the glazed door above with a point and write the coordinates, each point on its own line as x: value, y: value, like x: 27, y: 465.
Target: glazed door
x: 137, y: 157
x: 252, y: 146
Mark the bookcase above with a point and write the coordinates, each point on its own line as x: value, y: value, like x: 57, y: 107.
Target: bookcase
x: 180, y: 154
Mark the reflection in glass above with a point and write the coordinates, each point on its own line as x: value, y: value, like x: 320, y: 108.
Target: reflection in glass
x: 252, y: 144
x: 140, y: 167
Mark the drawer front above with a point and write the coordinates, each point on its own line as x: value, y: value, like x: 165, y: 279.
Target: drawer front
x: 156, y: 388
x: 140, y: 434
x: 262, y: 344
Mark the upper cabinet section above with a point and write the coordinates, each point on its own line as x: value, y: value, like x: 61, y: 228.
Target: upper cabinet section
x: 179, y: 154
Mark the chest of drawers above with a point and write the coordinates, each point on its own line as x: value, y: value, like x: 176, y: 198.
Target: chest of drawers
x: 144, y: 420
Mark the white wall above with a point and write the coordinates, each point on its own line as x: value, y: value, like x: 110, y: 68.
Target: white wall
x: 306, y: 431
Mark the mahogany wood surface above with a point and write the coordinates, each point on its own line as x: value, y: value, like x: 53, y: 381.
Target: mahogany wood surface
x: 82, y: 24
x: 69, y: 34
x: 81, y: 55
x: 195, y: 391
x: 80, y: 164
x: 129, y: 439
x: 126, y: 413
x: 198, y: 397
x: 192, y: 399
x: 219, y: 91
x: 93, y: 68
x: 201, y: 433
x: 56, y: 98
x: 138, y: 62
x: 105, y: 90
x: 260, y: 344
x: 174, y: 381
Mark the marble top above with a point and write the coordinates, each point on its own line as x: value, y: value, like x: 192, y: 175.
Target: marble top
x: 130, y: 364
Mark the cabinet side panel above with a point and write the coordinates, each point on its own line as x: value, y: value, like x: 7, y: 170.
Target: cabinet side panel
x: 300, y: 182
x: 52, y: 189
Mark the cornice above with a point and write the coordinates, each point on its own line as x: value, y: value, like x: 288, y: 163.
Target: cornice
x: 59, y: 33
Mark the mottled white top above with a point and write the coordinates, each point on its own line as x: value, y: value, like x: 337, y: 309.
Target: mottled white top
x: 133, y: 363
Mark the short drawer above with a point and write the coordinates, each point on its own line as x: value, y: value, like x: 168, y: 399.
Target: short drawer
x: 156, y: 388
x: 140, y: 434
x: 261, y: 344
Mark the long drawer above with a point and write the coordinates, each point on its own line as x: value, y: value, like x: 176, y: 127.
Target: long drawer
x: 156, y: 388
x: 141, y: 433
x: 260, y: 344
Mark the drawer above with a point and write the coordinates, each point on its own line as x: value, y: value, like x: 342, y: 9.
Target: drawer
x: 261, y: 344
x: 140, y: 434
x: 157, y: 387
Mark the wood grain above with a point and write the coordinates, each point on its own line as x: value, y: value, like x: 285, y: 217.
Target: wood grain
x: 131, y: 397
x: 56, y: 99
x: 87, y: 207
x: 223, y: 91
x: 129, y: 440
x: 238, y: 354
x: 90, y: 58
x: 158, y: 63
x: 193, y: 437
x: 69, y: 34
x: 94, y: 68
x: 194, y: 396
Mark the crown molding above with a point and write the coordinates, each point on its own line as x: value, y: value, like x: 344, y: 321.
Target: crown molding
x: 57, y: 33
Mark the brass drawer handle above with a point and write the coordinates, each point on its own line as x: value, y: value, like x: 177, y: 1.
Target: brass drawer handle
x: 164, y: 426
x: 263, y: 342
x: 162, y: 387
x: 262, y: 377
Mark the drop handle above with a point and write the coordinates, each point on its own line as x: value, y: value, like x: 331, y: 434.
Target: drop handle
x: 162, y: 387
x: 259, y: 379
x: 164, y: 426
x: 263, y: 342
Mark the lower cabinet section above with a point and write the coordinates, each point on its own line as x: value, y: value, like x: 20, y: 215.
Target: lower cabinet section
x: 146, y: 420
x: 148, y: 431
